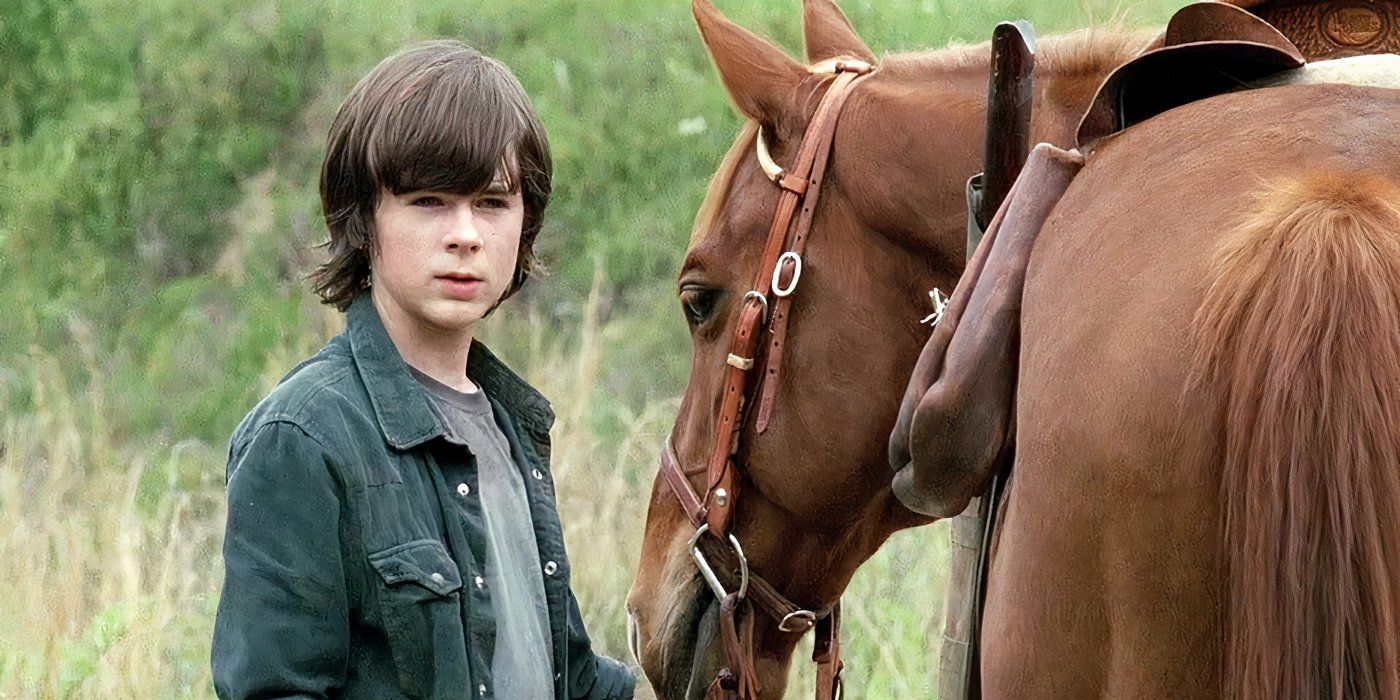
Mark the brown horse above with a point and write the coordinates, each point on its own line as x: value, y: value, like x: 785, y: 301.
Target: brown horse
x: 1206, y: 493
x: 890, y: 226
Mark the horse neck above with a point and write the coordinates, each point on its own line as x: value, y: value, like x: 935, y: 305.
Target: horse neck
x: 1068, y: 71
x: 1069, y: 68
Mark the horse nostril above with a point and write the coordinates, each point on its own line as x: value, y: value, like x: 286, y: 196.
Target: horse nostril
x: 634, y: 637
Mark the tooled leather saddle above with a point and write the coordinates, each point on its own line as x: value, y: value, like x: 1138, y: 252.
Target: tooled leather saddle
x: 1210, y: 48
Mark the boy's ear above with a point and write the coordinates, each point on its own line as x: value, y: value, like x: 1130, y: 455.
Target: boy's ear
x: 760, y: 78
x: 826, y: 33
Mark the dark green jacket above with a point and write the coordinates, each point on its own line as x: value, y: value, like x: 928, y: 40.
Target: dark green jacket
x: 346, y: 550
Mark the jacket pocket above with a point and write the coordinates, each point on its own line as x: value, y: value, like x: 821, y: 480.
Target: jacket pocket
x: 421, y: 606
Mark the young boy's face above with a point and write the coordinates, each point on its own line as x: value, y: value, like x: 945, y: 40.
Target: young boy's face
x: 444, y: 259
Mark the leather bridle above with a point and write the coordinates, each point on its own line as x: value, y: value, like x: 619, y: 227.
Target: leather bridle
x: 762, y: 319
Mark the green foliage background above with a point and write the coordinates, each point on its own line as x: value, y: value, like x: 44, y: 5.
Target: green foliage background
x: 158, y: 210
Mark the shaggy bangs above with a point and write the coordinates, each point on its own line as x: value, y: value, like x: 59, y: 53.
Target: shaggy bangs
x: 440, y: 117
x: 455, y: 132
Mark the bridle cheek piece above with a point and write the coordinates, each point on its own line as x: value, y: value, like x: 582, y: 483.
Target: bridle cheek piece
x: 762, y: 320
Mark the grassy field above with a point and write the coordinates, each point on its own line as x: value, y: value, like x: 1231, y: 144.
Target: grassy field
x: 158, y: 210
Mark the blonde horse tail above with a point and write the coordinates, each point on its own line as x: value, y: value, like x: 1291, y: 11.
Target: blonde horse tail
x: 1299, y: 336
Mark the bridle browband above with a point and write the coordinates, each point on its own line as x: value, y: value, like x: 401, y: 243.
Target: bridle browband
x: 779, y: 270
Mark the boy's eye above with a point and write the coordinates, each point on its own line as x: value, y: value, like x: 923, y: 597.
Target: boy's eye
x: 427, y: 201
x: 494, y: 202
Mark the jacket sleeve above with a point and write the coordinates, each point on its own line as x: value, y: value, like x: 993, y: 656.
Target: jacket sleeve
x: 282, y: 627
x: 593, y: 676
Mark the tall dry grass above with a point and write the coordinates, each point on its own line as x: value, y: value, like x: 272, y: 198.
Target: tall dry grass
x: 110, y: 550
x: 111, y: 541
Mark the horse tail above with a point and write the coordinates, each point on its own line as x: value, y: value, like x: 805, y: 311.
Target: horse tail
x: 1299, y: 333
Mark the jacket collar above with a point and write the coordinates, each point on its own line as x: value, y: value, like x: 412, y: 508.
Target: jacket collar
x: 400, y: 403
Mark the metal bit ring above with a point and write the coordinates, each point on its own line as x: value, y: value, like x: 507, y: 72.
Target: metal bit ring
x: 708, y: 573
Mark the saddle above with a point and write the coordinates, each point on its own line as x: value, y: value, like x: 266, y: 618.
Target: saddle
x: 1210, y: 48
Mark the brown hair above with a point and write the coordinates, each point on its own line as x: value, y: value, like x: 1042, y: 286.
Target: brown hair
x: 439, y: 115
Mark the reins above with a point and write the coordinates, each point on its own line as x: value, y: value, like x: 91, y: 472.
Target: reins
x: 763, y: 320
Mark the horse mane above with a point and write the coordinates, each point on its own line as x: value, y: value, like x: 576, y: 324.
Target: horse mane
x: 718, y: 188
x: 1298, y: 333
x: 1091, y: 51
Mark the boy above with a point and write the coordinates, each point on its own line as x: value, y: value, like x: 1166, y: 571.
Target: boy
x: 392, y: 528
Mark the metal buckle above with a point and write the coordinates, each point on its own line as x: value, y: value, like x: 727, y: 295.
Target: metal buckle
x: 709, y: 573
x: 806, y: 618
x: 754, y: 294
x: 778, y: 290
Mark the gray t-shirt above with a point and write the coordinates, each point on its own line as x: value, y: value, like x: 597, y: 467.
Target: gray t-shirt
x: 520, y: 665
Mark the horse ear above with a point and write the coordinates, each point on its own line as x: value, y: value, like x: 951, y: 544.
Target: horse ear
x: 760, y: 78
x: 827, y: 33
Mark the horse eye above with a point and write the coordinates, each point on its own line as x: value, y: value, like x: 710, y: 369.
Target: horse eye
x: 699, y: 303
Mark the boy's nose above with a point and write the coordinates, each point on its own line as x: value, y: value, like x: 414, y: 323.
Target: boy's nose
x: 463, y: 234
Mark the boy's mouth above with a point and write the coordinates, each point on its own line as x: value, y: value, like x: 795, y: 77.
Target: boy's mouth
x: 460, y: 276
x: 460, y: 285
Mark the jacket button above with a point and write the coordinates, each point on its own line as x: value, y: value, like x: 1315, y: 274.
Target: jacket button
x: 537, y: 474
x: 480, y: 582
x: 463, y: 489
x: 550, y: 567
x: 481, y: 690
x: 438, y: 578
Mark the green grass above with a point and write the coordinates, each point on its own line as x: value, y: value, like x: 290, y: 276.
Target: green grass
x: 158, y: 209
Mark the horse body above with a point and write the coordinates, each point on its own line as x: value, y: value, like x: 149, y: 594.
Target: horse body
x: 1113, y: 573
